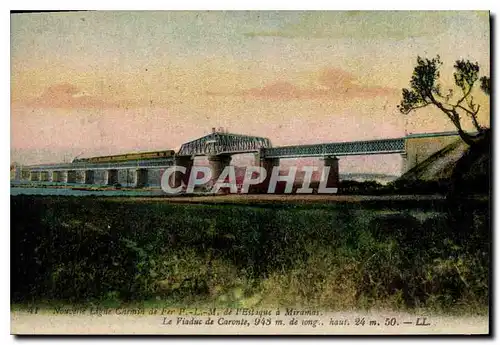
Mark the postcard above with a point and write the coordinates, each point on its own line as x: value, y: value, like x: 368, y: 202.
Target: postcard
x: 250, y: 172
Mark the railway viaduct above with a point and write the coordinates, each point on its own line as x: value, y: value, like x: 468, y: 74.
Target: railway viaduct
x: 219, y: 146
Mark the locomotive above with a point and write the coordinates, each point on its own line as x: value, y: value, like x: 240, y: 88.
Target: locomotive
x: 127, y: 157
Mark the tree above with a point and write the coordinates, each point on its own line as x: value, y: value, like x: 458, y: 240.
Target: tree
x: 426, y: 90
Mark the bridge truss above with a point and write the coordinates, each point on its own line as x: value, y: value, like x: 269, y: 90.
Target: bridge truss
x: 368, y: 147
x: 223, y: 143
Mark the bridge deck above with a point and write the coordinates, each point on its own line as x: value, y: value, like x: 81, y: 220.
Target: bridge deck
x: 368, y: 147
x: 150, y: 163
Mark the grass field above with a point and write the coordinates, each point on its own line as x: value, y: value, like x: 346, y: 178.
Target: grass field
x: 381, y: 253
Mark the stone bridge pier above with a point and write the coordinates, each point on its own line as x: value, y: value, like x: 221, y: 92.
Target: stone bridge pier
x: 89, y: 177
x: 111, y: 177
x: 59, y: 176
x: 80, y: 176
x: 34, y: 176
x: 178, y: 178
x: 141, y: 178
x: 71, y: 176
x: 268, y: 164
x: 25, y: 175
x: 17, y: 173
x: 330, y: 179
x: 217, y: 164
x: 45, y: 176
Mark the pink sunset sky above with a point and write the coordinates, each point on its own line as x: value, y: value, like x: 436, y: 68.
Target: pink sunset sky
x: 98, y: 83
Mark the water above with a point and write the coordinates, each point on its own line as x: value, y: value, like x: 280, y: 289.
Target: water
x: 18, y: 188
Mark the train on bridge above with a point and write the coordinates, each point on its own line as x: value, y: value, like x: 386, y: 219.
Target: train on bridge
x: 127, y: 157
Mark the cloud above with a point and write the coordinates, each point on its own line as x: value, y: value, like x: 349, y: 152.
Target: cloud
x: 68, y: 96
x: 330, y: 82
x: 340, y: 82
x: 281, y: 90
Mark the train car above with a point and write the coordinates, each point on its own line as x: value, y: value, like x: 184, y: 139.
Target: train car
x: 127, y: 157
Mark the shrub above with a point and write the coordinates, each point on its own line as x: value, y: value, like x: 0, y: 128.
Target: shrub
x: 326, y: 256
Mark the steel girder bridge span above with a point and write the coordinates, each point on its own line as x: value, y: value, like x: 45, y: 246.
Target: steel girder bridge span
x: 329, y: 152
x: 368, y: 147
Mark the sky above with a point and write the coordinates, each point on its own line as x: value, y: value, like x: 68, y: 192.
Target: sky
x: 99, y: 83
